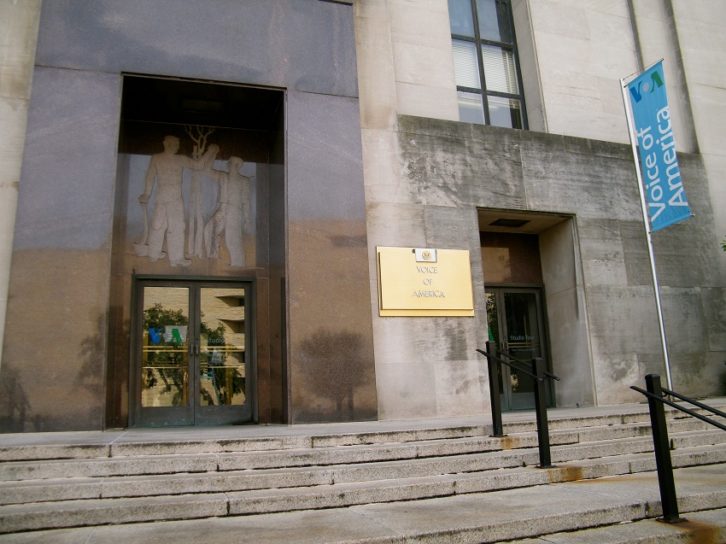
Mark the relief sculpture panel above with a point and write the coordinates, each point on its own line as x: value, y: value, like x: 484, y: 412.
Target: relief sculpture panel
x: 196, y: 207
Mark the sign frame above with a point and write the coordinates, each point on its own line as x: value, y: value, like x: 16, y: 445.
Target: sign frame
x: 424, y: 282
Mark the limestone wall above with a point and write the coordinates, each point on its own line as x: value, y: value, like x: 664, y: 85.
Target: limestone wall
x: 424, y: 190
x: 699, y: 26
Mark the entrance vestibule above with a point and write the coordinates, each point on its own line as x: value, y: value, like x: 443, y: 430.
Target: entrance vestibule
x: 535, y: 294
x: 515, y: 297
x: 198, y: 255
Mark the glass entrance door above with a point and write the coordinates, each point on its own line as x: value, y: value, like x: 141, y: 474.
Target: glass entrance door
x: 516, y: 328
x: 193, y: 358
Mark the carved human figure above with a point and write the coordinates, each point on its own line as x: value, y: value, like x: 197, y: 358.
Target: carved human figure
x: 165, y: 171
x: 226, y: 222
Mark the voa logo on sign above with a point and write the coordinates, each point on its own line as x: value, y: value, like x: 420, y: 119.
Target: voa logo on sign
x: 646, y: 87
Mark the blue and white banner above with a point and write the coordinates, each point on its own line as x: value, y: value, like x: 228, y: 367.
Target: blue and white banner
x: 662, y: 184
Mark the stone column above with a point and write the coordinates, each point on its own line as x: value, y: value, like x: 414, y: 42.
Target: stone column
x: 19, y: 29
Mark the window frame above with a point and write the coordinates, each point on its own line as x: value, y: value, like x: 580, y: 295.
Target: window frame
x: 478, y: 42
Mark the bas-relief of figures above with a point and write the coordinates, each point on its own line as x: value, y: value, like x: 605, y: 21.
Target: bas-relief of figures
x: 226, y: 222
x: 167, y: 222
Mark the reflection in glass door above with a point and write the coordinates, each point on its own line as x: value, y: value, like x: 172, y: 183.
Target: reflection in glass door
x: 193, y: 354
x: 516, y: 328
x: 165, y: 349
x: 222, y: 372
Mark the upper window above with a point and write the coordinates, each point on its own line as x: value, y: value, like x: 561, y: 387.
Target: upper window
x: 485, y: 61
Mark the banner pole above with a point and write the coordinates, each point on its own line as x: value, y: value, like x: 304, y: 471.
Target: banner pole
x: 649, y: 238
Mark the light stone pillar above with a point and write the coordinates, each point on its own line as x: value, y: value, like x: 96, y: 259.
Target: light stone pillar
x: 18, y: 37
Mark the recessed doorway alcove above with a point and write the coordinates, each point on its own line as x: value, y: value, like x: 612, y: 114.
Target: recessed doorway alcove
x: 199, y: 198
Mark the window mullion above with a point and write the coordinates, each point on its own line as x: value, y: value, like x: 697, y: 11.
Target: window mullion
x: 499, y: 104
x: 505, y: 95
x: 470, y: 89
x: 463, y: 38
x: 480, y: 61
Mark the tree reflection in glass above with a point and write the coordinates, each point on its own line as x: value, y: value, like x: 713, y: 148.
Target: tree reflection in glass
x: 165, y: 355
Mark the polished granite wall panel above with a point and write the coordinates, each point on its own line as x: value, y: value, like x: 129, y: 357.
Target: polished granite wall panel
x: 302, y: 45
x: 55, y: 343
x: 70, y: 161
x: 331, y: 368
x: 58, y: 295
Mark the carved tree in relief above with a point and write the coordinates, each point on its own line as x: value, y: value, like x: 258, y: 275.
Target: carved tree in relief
x: 195, y: 227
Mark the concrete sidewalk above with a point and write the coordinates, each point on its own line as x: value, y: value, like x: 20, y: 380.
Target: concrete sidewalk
x: 483, y: 517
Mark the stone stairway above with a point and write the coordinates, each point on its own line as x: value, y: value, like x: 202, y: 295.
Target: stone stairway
x: 51, y: 488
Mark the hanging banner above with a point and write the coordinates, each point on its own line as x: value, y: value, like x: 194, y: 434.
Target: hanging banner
x: 653, y: 129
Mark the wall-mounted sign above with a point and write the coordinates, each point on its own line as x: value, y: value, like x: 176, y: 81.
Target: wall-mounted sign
x: 424, y: 282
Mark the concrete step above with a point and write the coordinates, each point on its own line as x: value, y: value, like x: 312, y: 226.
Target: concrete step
x: 126, y: 500
x: 697, y: 438
x: 18, y: 492
x: 91, y: 480
x: 567, y: 445
x: 81, y: 445
x: 603, y: 511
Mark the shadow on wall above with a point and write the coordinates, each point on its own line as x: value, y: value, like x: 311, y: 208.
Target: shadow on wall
x: 334, y: 366
x: 14, y: 405
x: 92, y: 353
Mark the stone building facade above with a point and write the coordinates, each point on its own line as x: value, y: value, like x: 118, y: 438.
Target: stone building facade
x: 194, y: 193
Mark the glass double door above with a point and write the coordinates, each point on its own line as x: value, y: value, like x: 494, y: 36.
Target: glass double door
x: 516, y: 328
x: 193, y: 360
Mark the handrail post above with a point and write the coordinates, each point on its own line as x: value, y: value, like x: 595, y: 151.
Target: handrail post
x: 494, y: 396
x: 661, y: 445
x: 540, y: 401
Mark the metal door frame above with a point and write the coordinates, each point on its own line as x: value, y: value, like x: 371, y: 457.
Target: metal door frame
x: 505, y: 375
x: 193, y: 414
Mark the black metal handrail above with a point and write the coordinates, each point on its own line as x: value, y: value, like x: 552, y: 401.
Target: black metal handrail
x: 685, y: 410
x: 539, y: 374
x: 514, y: 363
x: 655, y: 394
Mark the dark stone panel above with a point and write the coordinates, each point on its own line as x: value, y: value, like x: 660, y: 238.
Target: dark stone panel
x: 278, y: 408
x: 66, y: 212
x: 325, y: 172
x: 66, y: 191
x: 261, y: 350
x: 52, y: 377
x: 331, y: 367
x: 55, y: 339
x: 520, y: 263
x: 300, y: 44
